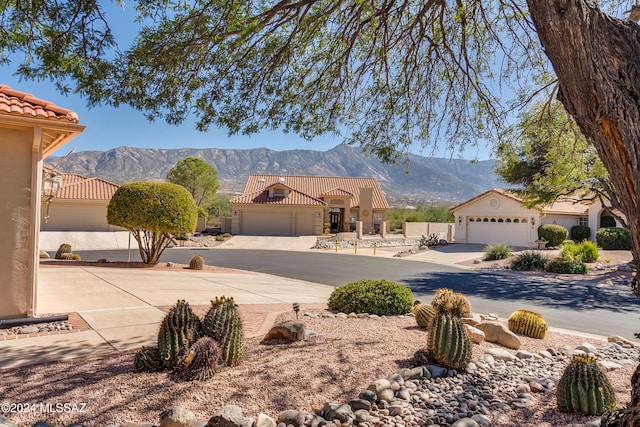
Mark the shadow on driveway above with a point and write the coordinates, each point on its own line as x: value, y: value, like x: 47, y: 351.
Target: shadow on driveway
x: 551, y: 292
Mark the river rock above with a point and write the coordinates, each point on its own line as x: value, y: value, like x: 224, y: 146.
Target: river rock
x: 498, y: 333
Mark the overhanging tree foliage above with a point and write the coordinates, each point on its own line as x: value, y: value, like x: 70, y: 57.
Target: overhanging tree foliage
x: 198, y: 177
x: 152, y: 212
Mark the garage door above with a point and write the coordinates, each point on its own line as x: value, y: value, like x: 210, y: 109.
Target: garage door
x: 512, y: 231
x: 304, y: 224
x: 266, y: 224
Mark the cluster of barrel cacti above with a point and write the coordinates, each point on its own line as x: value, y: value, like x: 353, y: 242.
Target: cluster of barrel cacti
x: 64, y: 252
x: 527, y: 323
x: 424, y: 314
x: 585, y: 388
x: 194, y: 349
x: 448, y: 342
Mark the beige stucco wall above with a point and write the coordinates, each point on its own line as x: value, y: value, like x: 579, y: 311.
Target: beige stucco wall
x: 77, y: 215
x: 19, y: 225
x: 444, y: 230
x: 365, y: 214
x: 566, y: 221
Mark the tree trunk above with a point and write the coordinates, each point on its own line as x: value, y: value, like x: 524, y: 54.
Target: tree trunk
x: 596, y: 60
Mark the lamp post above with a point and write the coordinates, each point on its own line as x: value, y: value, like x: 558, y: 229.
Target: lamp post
x: 50, y: 187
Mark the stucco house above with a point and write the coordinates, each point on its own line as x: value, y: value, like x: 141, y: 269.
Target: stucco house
x: 500, y: 216
x: 30, y: 130
x: 79, y: 205
x: 286, y: 205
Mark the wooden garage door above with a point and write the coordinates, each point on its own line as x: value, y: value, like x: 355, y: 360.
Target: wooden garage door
x: 266, y: 224
x: 487, y: 230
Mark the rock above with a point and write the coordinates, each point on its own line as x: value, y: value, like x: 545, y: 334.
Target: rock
x: 523, y: 388
x: 291, y: 417
x: 536, y: 387
x: 616, y: 338
x: 403, y: 393
x: 358, y: 404
x: 6, y: 422
x: 473, y: 320
x: 362, y: 415
x: 227, y: 416
x: 336, y: 411
x: 498, y: 333
x: 29, y: 330
x: 412, y: 374
x: 265, y: 420
x: 465, y: 422
x: 177, y: 417
x: 387, y: 394
x: 587, y: 348
x: 625, y: 267
x: 594, y: 423
x: 475, y: 335
x: 608, y: 365
x: 289, y: 330
x: 378, y: 386
x: 524, y: 354
x: 545, y: 354
x: 43, y: 255
x: 368, y: 395
x: 436, y: 371
x: 500, y: 354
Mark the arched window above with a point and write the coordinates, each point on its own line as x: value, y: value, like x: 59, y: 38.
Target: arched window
x: 507, y: 220
x: 471, y: 220
x: 516, y: 220
x: 485, y: 220
x: 500, y: 220
x: 493, y: 220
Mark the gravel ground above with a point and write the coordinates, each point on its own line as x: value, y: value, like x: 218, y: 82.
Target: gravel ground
x: 345, y: 356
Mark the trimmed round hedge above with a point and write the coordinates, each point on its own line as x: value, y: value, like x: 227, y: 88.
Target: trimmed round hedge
x: 380, y: 297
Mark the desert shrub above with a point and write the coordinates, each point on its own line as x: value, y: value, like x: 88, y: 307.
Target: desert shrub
x: 614, y: 238
x: 565, y: 267
x: 496, y: 251
x: 553, y: 233
x: 584, y: 251
x: 226, y: 235
x: 380, y: 297
x: 580, y: 232
x: 219, y: 238
x: 529, y: 261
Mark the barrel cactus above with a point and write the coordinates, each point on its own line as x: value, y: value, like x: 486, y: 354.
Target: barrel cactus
x: 424, y: 314
x: 449, y: 343
x: 456, y: 304
x: 584, y: 388
x: 196, y: 263
x: 200, y: 361
x: 147, y: 359
x: 177, y: 331
x: 64, y: 252
x: 527, y: 323
x: 224, y: 324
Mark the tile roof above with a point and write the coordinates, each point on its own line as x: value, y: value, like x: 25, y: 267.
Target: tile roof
x: 314, y: 187
x: 559, y: 207
x: 293, y: 198
x: 18, y: 103
x: 78, y: 187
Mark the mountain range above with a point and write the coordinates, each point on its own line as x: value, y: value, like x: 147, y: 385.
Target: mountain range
x: 422, y: 180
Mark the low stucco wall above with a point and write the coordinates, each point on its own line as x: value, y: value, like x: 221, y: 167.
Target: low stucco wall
x: 86, y: 240
x: 444, y: 230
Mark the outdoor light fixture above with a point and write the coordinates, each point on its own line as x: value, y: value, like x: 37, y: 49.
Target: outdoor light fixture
x: 460, y: 220
x: 50, y: 187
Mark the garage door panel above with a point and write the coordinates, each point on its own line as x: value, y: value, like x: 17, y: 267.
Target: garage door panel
x: 304, y: 224
x: 514, y: 234
x: 266, y: 224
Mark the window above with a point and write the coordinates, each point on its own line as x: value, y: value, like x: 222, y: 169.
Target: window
x: 583, y: 221
x: 516, y: 220
x: 493, y: 220
x: 500, y: 220
x: 278, y: 192
x: 507, y: 220
x: 485, y: 220
x: 471, y: 220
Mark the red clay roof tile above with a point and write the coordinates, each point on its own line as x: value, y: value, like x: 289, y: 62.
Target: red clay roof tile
x: 24, y: 104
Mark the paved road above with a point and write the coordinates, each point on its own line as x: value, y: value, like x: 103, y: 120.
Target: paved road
x: 587, y: 307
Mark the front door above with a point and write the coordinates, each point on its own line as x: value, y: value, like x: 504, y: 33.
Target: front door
x: 335, y: 220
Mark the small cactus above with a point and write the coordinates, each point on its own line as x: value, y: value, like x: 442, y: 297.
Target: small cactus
x: 446, y: 302
x: 64, y: 252
x: 224, y: 324
x: 200, y: 361
x: 584, y: 388
x: 448, y: 342
x: 424, y: 314
x: 147, y: 359
x: 196, y: 263
x: 177, y: 331
x: 527, y: 323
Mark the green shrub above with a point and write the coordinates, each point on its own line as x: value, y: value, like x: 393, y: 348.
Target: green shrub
x: 584, y: 251
x: 496, y: 251
x: 379, y: 297
x: 565, y: 267
x: 580, y: 232
x: 552, y: 233
x: 614, y: 238
x: 226, y: 235
x: 219, y: 238
x: 529, y: 261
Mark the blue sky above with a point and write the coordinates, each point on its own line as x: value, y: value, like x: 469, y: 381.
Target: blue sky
x: 108, y: 127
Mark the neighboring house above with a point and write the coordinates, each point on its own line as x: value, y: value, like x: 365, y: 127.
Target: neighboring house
x: 285, y: 205
x: 30, y: 130
x: 500, y: 216
x: 79, y: 205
